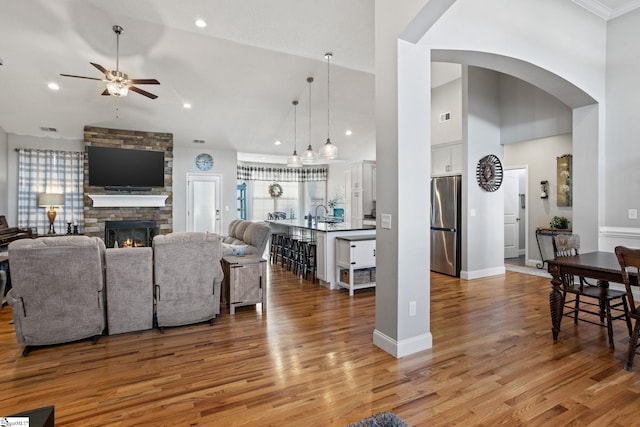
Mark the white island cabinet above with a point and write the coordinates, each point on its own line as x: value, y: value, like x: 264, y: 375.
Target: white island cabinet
x: 325, y: 235
x: 356, y: 262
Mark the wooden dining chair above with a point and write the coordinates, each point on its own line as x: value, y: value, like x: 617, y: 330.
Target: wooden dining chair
x: 629, y: 260
x: 592, y: 299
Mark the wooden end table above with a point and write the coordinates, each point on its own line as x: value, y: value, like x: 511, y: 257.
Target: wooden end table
x: 244, y: 281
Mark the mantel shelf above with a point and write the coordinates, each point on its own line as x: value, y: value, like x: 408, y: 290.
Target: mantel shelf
x: 128, y: 200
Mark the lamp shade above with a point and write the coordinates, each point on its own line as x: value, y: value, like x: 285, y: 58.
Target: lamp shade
x: 50, y: 199
x: 328, y: 150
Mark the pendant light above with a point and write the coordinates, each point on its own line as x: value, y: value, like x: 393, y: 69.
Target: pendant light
x: 328, y: 150
x: 294, y: 161
x: 309, y: 155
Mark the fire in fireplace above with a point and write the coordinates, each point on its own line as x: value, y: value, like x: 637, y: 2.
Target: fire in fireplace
x: 129, y: 234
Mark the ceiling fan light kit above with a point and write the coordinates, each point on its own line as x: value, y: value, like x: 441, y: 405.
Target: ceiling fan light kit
x: 118, y: 83
x: 328, y: 150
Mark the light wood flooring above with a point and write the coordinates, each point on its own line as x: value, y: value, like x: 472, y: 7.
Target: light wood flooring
x: 309, y: 361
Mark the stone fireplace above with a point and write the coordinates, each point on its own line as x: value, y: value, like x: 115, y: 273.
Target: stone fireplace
x: 128, y: 234
x: 96, y: 215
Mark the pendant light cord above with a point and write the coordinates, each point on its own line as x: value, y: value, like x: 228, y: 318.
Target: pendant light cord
x: 328, y: 55
x: 295, y: 121
x: 310, y: 80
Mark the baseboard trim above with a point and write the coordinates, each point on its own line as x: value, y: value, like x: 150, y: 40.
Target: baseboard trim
x: 477, y: 274
x: 402, y: 348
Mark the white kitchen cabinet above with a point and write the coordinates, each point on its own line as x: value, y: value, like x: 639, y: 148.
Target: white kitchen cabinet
x: 321, y: 256
x: 356, y: 176
x: 446, y: 159
x: 355, y: 262
x: 356, y: 205
x: 362, y: 188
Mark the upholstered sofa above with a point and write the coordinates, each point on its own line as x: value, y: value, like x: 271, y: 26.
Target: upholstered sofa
x: 57, y: 292
x: 246, y: 238
x: 187, y: 277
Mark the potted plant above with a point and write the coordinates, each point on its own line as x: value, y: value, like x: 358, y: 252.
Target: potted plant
x: 559, y: 222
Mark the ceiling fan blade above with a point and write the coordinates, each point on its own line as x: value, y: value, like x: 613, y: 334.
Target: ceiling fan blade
x: 102, y: 70
x: 144, y: 82
x: 80, y: 77
x: 143, y: 92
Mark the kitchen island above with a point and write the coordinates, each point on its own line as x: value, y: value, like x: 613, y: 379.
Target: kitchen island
x: 325, y: 234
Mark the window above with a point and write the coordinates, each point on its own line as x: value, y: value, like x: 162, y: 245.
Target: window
x: 47, y: 171
x: 262, y: 203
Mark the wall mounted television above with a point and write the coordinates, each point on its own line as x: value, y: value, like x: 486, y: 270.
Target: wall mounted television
x: 125, y: 169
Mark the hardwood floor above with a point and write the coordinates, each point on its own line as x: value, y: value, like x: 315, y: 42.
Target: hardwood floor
x: 309, y: 360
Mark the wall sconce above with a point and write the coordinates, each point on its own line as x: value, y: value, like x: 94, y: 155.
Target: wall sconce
x: 51, y: 201
x: 544, y: 189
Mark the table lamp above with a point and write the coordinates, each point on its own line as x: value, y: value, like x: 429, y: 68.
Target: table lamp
x: 51, y: 201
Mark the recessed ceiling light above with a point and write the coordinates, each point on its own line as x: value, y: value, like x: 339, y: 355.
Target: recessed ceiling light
x: 277, y: 142
x: 200, y: 23
x: 186, y: 105
x: 348, y: 132
x: 53, y: 86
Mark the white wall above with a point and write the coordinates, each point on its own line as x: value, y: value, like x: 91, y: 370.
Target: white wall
x: 535, y: 31
x: 527, y: 112
x: 539, y: 156
x: 483, y: 217
x: 4, y: 164
x: 403, y: 161
x: 622, y: 187
x: 225, y: 164
x: 446, y: 98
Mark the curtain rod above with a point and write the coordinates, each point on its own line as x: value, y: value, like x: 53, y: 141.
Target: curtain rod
x: 47, y: 150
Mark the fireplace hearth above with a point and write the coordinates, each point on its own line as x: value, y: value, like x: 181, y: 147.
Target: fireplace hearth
x: 133, y: 233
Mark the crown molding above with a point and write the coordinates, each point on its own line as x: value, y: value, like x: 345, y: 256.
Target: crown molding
x: 605, y: 12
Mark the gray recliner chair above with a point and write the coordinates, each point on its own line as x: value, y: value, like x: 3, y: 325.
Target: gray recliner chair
x: 57, y: 292
x: 187, y: 277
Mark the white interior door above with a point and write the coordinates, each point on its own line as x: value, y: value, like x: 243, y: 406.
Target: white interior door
x: 203, y: 203
x: 511, y: 214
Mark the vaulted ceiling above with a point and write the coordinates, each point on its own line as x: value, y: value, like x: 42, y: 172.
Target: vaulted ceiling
x: 239, y: 74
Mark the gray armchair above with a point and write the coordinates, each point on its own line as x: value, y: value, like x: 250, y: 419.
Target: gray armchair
x: 187, y: 277
x: 57, y: 292
x: 246, y: 238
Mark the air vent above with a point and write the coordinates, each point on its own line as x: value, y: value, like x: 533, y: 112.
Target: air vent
x: 445, y: 117
x: 48, y: 129
x: 198, y: 141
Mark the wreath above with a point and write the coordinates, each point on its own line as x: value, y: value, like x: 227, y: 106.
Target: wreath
x: 275, y: 190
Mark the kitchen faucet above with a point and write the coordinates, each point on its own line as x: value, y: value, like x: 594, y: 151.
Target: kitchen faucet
x: 326, y: 211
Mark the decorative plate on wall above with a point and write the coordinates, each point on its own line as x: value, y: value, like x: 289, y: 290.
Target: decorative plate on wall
x: 204, y: 161
x: 489, y: 173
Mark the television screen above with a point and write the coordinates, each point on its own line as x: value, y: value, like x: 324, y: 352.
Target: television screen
x: 118, y: 167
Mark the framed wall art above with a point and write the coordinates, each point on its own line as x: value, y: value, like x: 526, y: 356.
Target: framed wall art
x: 565, y: 189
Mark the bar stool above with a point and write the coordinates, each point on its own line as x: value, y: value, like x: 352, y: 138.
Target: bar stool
x: 293, y: 254
x: 276, y: 246
x: 310, y: 261
x: 283, y: 255
x: 300, y: 255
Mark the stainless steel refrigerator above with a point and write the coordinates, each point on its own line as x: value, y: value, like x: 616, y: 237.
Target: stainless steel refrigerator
x: 445, y: 224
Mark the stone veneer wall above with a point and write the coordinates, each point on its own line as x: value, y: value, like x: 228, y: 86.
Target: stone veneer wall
x: 94, y: 218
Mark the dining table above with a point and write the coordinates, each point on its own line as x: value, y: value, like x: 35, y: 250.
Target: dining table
x: 599, y: 265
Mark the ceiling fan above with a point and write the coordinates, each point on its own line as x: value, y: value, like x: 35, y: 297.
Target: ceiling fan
x: 118, y: 83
